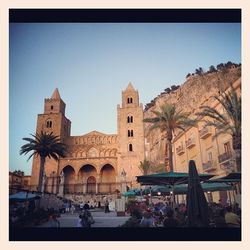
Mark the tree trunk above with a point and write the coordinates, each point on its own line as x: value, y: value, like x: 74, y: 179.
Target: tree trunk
x: 237, y: 151
x: 170, y: 155
x: 41, y: 170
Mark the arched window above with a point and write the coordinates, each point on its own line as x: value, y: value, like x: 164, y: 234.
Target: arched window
x: 130, y: 133
x: 130, y: 100
x: 51, y: 107
x: 130, y: 147
x: 49, y: 124
x: 130, y: 119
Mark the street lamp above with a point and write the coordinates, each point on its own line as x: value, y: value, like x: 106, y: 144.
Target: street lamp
x: 124, y: 182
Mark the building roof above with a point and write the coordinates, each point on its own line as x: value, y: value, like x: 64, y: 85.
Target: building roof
x: 56, y: 94
x: 130, y: 87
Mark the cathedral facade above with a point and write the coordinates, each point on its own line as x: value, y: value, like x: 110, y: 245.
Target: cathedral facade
x: 95, y: 163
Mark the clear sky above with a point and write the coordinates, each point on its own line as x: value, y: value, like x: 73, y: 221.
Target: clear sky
x: 91, y: 64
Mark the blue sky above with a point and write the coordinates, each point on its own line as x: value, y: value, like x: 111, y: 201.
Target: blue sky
x: 91, y: 64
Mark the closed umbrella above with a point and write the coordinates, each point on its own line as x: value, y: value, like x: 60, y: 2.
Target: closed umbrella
x: 197, y: 207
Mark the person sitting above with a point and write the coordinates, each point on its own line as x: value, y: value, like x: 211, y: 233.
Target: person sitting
x: 170, y: 221
x: 147, y: 220
x: 232, y: 219
x: 53, y: 221
x: 219, y: 218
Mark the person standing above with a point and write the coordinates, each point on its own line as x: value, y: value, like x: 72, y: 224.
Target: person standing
x: 106, y: 207
x: 72, y: 209
x: 81, y: 206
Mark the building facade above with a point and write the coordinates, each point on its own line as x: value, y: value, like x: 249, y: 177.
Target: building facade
x: 98, y: 163
x: 95, y: 163
x: 18, y: 181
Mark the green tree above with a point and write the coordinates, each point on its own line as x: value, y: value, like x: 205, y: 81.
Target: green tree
x: 228, y: 122
x: 168, y: 119
x: 43, y: 145
x: 145, y: 167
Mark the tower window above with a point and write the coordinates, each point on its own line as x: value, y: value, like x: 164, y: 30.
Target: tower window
x: 130, y: 133
x: 49, y: 124
x: 130, y: 147
x: 130, y: 119
x: 130, y: 100
x: 51, y: 107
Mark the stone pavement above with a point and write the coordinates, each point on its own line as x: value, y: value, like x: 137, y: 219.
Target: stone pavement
x: 101, y: 219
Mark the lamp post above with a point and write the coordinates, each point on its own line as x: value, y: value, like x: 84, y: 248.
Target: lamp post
x: 150, y: 189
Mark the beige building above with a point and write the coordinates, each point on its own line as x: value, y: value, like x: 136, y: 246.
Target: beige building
x: 95, y: 162
x: 18, y: 181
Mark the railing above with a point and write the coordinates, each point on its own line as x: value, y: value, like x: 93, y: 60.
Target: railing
x: 224, y: 157
x: 208, y: 166
x: 180, y: 150
x: 190, y: 143
x: 205, y: 132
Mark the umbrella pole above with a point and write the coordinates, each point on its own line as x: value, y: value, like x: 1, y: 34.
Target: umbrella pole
x: 229, y: 195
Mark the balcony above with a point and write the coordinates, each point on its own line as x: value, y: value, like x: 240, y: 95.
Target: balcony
x: 224, y: 157
x: 207, y: 166
x: 190, y: 143
x: 180, y: 150
x: 205, y: 132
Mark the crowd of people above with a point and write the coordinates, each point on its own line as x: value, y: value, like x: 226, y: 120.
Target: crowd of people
x: 164, y: 214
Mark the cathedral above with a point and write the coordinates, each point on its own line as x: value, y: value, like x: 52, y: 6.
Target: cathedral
x: 95, y: 163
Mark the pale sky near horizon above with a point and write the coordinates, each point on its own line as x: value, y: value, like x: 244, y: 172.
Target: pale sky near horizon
x: 92, y: 63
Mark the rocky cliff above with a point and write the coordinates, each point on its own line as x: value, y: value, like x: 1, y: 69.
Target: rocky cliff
x: 197, y: 90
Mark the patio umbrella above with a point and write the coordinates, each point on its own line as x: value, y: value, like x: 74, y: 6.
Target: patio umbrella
x: 197, y: 207
x: 182, y: 188
x: 23, y: 196
x: 131, y: 193
x: 169, y: 178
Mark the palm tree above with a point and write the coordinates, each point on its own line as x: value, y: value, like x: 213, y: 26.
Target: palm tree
x: 168, y: 120
x: 145, y: 167
x: 228, y: 122
x: 44, y: 145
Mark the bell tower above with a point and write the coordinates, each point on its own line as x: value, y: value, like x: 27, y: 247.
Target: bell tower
x: 130, y: 134
x: 53, y: 120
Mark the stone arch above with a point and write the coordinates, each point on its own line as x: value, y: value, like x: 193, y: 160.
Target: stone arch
x: 69, y: 174
x: 107, y: 179
x: 86, y: 171
x: 68, y: 179
x: 107, y: 173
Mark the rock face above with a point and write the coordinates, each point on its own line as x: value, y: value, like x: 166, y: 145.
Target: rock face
x: 194, y: 92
